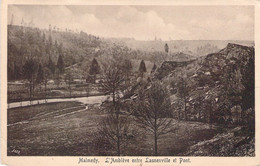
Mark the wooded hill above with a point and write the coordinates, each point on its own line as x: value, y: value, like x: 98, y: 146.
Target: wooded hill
x: 217, y: 88
x: 74, y: 48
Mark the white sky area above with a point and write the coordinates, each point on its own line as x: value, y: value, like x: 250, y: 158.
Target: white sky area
x: 144, y: 22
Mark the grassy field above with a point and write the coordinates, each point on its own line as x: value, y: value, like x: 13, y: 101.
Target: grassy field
x: 69, y: 128
x: 50, y: 129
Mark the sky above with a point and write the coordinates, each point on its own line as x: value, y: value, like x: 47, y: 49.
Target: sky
x: 143, y: 22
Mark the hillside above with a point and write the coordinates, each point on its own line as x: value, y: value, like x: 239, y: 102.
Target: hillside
x: 225, y: 79
x: 216, y: 89
x: 77, y: 49
x: 24, y: 42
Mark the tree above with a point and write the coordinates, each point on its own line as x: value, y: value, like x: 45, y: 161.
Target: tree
x: 46, y: 76
x: 43, y: 38
x: 57, y: 77
x: 152, y: 110
x: 69, y: 79
x: 153, y: 69
x: 93, y: 71
x: 60, y: 64
x: 87, y: 89
x: 40, y: 75
x: 60, y: 71
x: 51, y: 65
x: 60, y: 48
x: 112, y: 83
x: 166, y: 48
x: 127, y: 66
x: 182, y: 93
x: 50, y: 44
x: 142, y: 68
x: 115, y: 131
x: 29, y: 72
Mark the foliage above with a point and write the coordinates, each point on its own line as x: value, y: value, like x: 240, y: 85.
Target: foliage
x: 166, y: 48
x: 40, y: 74
x: 142, y: 67
x: 153, y: 69
x: 60, y: 64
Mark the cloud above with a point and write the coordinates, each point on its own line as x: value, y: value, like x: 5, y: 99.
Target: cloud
x: 130, y: 22
x: 217, y: 23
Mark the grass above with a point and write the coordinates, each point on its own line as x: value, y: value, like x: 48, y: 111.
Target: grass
x: 185, y: 135
x: 27, y: 112
x: 67, y: 128
x: 51, y: 134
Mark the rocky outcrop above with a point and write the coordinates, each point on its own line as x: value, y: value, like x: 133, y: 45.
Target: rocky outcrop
x: 221, y: 82
x: 168, y: 66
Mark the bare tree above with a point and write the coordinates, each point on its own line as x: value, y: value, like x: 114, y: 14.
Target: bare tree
x: 115, y: 81
x: 153, y: 111
x: 69, y: 79
x: 87, y: 88
x: 29, y: 71
x: 58, y: 78
x: 112, y: 83
x: 46, y: 76
x: 115, y: 130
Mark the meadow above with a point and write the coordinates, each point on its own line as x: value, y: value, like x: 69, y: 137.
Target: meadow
x: 71, y: 128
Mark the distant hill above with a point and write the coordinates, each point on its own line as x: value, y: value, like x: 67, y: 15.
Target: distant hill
x: 192, y: 47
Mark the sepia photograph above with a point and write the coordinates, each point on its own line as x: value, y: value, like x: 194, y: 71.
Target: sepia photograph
x: 130, y: 80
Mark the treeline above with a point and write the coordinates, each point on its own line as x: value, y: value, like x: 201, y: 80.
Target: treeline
x: 25, y: 42
x: 37, y: 74
x: 44, y: 45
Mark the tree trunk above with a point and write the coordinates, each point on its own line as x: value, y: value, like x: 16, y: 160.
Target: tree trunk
x: 30, y: 91
x: 155, y: 134
x: 118, y: 137
x: 45, y: 90
x: 33, y: 87
x: 185, y: 109
x: 155, y: 143
x: 87, y: 90
x: 69, y: 88
x: 117, y: 121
